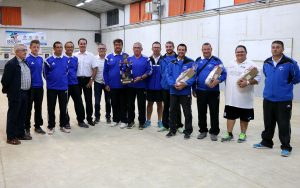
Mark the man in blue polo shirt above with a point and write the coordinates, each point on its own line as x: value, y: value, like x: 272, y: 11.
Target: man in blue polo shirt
x: 35, y: 63
x: 73, y: 87
x: 56, y: 74
x: 180, y: 92
x: 112, y: 78
x: 208, y: 94
x: 281, y: 74
x: 141, y: 69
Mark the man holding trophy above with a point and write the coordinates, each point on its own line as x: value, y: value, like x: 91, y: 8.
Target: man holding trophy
x: 112, y: 75
x: 139, y: 68
x: 181, y: 77
x: 210, y: 72
x: 242, y: 74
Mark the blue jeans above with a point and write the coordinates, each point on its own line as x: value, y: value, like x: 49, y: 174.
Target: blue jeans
x: 98, y: 87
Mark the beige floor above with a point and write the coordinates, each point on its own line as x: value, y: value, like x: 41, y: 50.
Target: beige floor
x: 102, y: 156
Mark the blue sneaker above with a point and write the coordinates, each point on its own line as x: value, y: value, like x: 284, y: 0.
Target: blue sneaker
x: 159, y: 124
x: 285, y: 153
x: 147, y: 124
x: 259, y: 146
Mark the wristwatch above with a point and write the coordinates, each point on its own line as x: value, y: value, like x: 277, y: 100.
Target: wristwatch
x: 248, y: 83
x: 92, y: 78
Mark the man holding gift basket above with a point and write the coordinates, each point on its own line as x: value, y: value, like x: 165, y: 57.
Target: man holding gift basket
x: 181, y: 76
x: 210, y: 72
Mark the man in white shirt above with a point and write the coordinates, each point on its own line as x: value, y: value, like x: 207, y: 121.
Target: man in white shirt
x: 99, y: 86
x: 239, y: 94
x: 87, y: 70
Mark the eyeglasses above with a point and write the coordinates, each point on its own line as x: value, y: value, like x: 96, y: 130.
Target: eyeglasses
x: 101, y: 48
x: 23, y: 50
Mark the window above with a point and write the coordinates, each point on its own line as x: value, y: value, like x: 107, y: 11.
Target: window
x: 137, y: 12
x: 178, y: 7
x: 237, y: 2
x: 10, y: 16
x: 113, y: 17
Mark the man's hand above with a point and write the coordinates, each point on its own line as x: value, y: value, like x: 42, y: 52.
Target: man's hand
x: 137, y: 79
x: 213, y: 83
x: 90, y: 84
x: 180, y: 85
x: 194, y: 94
x: 107, y: 88
x: 242, y: 83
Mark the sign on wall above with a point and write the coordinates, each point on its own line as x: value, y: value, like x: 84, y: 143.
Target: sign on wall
x: 24, y: 37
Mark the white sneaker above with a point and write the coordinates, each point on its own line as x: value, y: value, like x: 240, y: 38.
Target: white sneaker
x: 123, y: 125
x: 50, y: 131
x: 180, y: 130
x: 114, y: 124
x: 64, y: 130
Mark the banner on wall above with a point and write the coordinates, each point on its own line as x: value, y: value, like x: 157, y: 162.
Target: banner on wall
x: 24, y: 37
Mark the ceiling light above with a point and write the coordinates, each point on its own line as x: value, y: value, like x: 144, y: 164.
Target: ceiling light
x: 87, y: 1
x: 80, y: 4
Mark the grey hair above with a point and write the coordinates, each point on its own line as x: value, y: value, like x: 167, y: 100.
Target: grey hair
x: 101, y: 44
x: 138, y: 43
x: 19, y: 47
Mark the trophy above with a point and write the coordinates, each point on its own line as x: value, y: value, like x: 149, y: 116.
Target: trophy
x: 187, y: 74
x: 214, y: 74
x: 126, y: 70
x: 249, y: 73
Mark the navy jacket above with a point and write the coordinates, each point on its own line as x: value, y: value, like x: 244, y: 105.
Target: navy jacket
x: 56, y: 73
x: 164, y: 70
x: 140, y: 67
x: 11, y: 79
x: 201, y: 76
x: 175, y: 68
x: 35, y: 65
x: 72, y: 70
x: 280, y: 80
x: 112, y: 69
x: 154, y: 81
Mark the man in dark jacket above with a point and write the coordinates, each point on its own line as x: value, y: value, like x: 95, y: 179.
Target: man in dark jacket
x: 16, y: 82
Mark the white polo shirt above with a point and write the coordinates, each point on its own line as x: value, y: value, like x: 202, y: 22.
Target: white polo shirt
x: 86, y: 62
x: 234, y: 95
x: 100, y: 65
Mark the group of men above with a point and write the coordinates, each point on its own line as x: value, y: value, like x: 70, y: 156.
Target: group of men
x: 153, y: 79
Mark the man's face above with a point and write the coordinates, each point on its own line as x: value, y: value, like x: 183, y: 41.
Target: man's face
x: 169, y: 48
x: 277, y: 49
x: 206, y: 50
x: 21, y: 52
x: 102, y: 50
x: 58, y: 49
x: 118, y: 47
x: 34, y: 48
x: 156, y: 49
x: 137, y: 50
x: 82, y: 45
x: 69, y: 48
x: 240, y: 54
x: 181, y: 51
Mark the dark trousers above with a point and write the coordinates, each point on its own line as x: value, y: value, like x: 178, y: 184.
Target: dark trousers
x: 88, y: 94
x: 62, y: 96
x: 140, y: 94
x: 166, y: 111
x: 119, y: 104
x: 280, y: 113
x: 35, y: 96
x: 16, y: 116
x: 98, y: 88
x: 212, y: 100
x: 185, y: 101
x: 74, y: 92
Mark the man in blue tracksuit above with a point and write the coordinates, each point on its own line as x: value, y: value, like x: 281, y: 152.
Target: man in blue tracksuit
x: 56, y: 75
x: 281, y: 73
x: 35, y: 63
x: 154, y: 89
x: 167, y: 58
x: 73, y: 87
x: 208, y: 95
x: 180, y: 92
x: 112, y: 80
x: 141, y: 69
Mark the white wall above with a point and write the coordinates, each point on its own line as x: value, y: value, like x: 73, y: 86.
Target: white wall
x: 58, y: 21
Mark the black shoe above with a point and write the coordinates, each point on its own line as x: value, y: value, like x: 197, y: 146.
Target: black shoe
x: 91, y: 123
x: 187, y: 136
x: 39, y: 130
x: 130, y: 125
x: 108, y: 120
x: 83, y: 125
x: 97, y: 120
x: 170, y: 134
x: 141, y: 127
x: 68, y: 126
x: 25, y: 137
x: 27, y: 133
